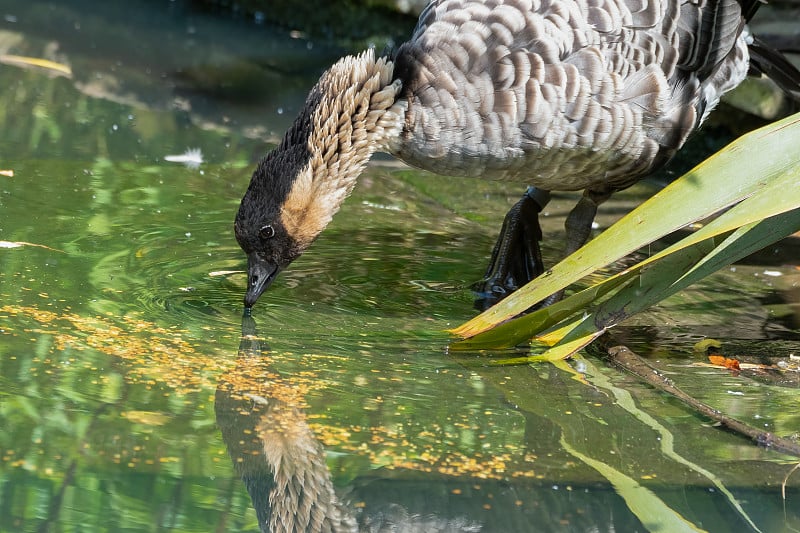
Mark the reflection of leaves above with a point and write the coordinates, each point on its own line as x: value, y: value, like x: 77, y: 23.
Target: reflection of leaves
x: 654, y: 513
x: 625, y: 400
x: 44, y: 123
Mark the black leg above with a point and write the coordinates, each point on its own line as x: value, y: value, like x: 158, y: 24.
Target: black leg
x: 579, y: 221
x: 578, y: 227
x: 516, y: 258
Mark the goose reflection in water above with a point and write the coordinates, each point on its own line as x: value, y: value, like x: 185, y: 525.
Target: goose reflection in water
x: 283, y: 464
x: 279, y: 459
x: 261, y: 415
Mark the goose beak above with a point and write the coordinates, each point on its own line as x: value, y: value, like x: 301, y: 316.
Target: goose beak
x: 260, y: 274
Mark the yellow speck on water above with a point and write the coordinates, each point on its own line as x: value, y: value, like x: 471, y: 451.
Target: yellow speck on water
x: 162, y: 359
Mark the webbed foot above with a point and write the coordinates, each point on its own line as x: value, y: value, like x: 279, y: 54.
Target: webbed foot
x: 517, y: 257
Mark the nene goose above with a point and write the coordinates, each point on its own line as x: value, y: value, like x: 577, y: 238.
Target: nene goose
x: 567, y: 95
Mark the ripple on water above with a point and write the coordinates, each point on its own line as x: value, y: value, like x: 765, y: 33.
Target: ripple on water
x: 170, y: 272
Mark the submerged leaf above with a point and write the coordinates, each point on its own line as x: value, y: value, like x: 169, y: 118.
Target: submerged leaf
x: 59, y: 68
x: 20, y: 244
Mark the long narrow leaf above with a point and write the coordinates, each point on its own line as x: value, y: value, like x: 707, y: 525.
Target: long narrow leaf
x: 684, y: 268
x: 521, y: 329
x: 666, y: 277
x: 629, y: 300
x: 733, y: 174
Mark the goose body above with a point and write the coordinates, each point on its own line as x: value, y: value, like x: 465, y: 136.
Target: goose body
x: 563, y: 94
x: 557, y: 94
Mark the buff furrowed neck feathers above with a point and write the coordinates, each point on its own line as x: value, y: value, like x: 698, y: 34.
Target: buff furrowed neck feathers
x: 353, y: 119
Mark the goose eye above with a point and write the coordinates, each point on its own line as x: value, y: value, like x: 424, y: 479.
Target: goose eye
x: 266, y: 232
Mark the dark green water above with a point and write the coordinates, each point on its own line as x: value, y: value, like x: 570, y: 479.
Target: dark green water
x: 131, y: 401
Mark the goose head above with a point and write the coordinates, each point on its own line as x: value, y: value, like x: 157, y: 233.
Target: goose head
x: 297, y: 188
x: 264, y: 236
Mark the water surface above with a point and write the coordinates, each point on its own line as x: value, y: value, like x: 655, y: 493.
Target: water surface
x: 135, y: 397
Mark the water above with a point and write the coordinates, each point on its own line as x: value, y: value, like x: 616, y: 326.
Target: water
x: 134, y: 396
